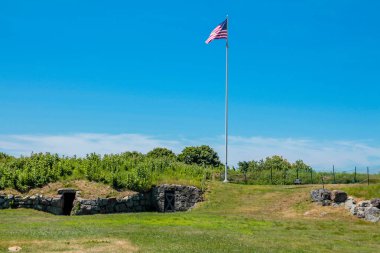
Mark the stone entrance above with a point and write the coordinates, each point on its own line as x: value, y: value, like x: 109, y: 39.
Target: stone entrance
x: 169, y: 205
x: 67, y: 196
x: 68, y: 199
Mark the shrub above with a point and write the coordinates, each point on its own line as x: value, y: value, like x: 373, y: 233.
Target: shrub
x: 161, y: 153
x: 201, y: 155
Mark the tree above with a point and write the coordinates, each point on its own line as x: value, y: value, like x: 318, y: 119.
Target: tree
x: 161, y: 153
x: 4, y: 156
x: 301, y: 166
x: 276, y: 163
x: 201, y: 155
x: 244, y: 168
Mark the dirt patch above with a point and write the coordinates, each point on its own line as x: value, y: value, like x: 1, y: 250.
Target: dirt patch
x: 89, y: 190
x: 289, y: 202
x: 83, y: 245
x: 14, y: 249
x: 96, y: 246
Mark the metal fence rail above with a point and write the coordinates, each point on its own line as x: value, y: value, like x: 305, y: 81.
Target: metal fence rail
x: 315, y: 176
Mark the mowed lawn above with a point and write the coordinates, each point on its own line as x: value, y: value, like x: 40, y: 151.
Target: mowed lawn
x: 234, y: 218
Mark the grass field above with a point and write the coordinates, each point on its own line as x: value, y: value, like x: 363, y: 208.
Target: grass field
x: 234, y: 218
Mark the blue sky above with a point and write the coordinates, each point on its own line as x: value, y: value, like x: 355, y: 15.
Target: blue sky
x: 300, y: 72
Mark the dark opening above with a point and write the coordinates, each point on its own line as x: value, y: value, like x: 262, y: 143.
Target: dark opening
x: 68, y: 199
x: 169, y: 205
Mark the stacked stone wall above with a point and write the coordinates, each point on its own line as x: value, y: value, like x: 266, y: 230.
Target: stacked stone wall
x: 137, y: 203
x: 185, y: 198
x: 47, y: 204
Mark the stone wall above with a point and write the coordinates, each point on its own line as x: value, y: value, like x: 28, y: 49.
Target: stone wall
x: 47, y: 204
x: 136, y: 203
x: 185, y: 198
x: 367, y: 209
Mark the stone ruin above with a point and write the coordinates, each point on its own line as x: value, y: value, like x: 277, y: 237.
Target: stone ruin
x: 366, y: 209
x: 163, y: 198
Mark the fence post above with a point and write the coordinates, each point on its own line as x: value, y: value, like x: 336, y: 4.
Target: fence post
x: 334, y: 174
x: 355, y: 175
x: 323, y: 181
x: 368, y: 175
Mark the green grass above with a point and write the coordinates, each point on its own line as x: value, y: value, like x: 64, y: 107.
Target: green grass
x: 364, y: 191
x: 234, y: 218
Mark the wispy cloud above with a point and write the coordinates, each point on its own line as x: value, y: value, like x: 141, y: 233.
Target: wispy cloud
x: 81, y: 144
x: 320, y: 154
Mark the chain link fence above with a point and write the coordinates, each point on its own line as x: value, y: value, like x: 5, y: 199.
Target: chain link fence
x: 315, y: 176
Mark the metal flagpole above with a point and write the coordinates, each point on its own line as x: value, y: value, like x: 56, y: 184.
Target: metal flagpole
x: 226, y: 111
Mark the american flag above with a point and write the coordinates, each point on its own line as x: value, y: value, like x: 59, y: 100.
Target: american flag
x: 220, y: 32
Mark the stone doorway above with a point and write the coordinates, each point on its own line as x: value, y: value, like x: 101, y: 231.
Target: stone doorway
x: 169, y: 205
x: 68, y: 199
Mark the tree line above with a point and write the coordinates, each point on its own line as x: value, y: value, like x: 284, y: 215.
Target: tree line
x: 136, y: 171
x: 274, y: 164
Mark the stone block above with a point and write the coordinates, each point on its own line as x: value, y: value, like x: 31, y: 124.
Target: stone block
x: 57, y: 202
x: 130, y: 203
x: 120, y: 208
x: 85, y: 209
x: 66, y: 190
x: 103, y: 210
x: 364, y: 203
x: 102, y: 202
x: 5, y: 204
x: 338, y: 196
x: 372, y: 214
x: 111, y: 201
x: 350, y: 203
x: 361, y: 211
x: 110, y: 208
x: 320, y: 195
x: 88, y: 202
x: 375, y: 202
x: 44, y: 201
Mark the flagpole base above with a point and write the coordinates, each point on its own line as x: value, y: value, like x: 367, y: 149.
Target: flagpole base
x: 225, y: 181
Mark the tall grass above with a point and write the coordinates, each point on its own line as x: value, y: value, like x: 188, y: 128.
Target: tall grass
x: 129, y: 170
x: 364, y: 191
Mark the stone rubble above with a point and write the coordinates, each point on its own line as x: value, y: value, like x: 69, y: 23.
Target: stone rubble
x: 367, y: 209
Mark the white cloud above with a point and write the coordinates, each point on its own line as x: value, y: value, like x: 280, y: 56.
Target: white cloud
x: 319, y: 154
x: 81, y: 144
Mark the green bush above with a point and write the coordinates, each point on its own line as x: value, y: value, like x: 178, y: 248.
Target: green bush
x: 201, y: 155
x: 131, y: 170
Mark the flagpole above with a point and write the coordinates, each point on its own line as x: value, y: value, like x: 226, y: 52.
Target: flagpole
x: 226, y: 110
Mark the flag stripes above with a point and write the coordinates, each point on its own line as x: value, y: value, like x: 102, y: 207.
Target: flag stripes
x: 219, y: 32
